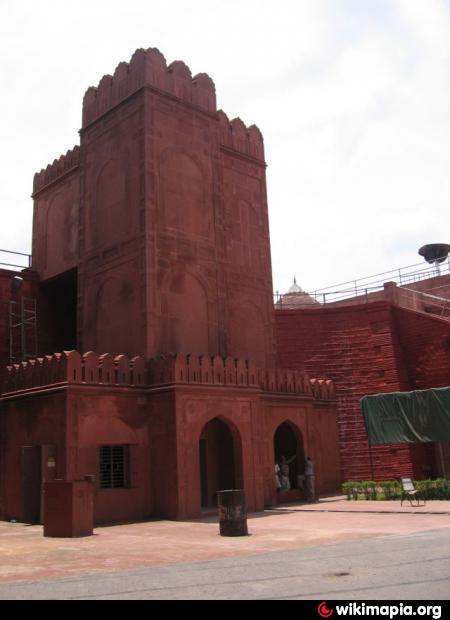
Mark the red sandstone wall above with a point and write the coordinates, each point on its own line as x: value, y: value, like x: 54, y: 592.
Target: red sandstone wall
x: 28, y: 422
x: 358, y: 348
x: 161, y: 413
x: 194, y: 411
x: 253, y: 423
x: 76, y: 423
x: 183, y: 202
x: 165, y: 468
x: 98, y: 417
x: 111, y: 280
x: 317, y: 424
x: 171, y: 223
x: 323, y: 431
x: 249, y: 325
x: 163, y: 430
x: 56, y: 194
x: 425, y: 341
x: 208, y: 218
x: 148, y: 202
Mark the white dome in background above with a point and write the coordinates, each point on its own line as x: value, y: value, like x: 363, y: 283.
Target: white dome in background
x: 295, y: 288
x: 296, y: 298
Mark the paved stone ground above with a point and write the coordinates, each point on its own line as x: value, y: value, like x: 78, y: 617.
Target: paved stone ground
x: 293, y: 552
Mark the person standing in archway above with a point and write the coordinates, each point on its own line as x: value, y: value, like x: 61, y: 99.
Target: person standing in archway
x: 284, y: 469
x: 310, y: 480
x: 277, y: 477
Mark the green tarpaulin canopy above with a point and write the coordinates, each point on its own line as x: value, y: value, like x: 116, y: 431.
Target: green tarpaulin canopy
x: 408, y: 417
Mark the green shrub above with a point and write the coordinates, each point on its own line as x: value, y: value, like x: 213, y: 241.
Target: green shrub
x: 347, y: 488
x: 433, y: 489
x: 369, y: 489
x: 350, y: 488
x: 392, y: 489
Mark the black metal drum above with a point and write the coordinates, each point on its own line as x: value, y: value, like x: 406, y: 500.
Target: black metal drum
x: 232, y: 513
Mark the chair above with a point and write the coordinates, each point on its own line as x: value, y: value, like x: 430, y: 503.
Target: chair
x: 409, y: 492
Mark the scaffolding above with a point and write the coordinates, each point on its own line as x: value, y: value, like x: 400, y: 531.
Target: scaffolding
x: 22, y: 330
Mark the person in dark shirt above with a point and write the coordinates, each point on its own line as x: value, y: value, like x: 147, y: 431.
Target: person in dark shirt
x: 310, y: 481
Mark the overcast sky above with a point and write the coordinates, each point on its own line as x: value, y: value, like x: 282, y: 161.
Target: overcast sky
x: 352, y: 97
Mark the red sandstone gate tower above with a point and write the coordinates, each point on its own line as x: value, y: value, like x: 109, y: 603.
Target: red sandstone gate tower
x: 151, y: 242
x: 161, y: 213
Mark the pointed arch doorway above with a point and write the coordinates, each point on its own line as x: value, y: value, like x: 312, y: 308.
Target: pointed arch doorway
x: 220, y: 461
x: 288, y: 442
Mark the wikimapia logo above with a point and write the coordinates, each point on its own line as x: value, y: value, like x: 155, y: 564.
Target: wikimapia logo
x: 324, y: 611
x: 391, y: 611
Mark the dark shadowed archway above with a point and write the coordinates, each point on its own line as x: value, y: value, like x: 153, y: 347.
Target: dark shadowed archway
x: 220, y: 461
x: 288, y: 442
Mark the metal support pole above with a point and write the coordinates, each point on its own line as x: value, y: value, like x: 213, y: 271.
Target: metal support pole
x: 442, y: 460
x: 371, y: 462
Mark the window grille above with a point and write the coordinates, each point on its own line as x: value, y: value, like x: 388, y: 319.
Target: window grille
x: 114, y: 467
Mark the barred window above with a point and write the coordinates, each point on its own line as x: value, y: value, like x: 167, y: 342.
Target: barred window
x: 114, y: 470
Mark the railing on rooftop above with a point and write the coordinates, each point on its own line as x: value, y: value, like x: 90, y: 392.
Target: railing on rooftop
x: 14, y: 260
x: 362, y: 287
x: 419, y: 300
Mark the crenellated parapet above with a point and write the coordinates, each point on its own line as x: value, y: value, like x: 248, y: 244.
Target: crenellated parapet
x: 206, y: 370
x: 323, y: 389
x: 148, y: 68
x: 70, y: 367
x: 47, y: 370
x: 283, y: 381
x: 236, y: 136
x: 57, y: 169
x: 203, y: 369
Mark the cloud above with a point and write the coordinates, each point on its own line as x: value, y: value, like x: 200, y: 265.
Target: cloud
x: 352, y: 98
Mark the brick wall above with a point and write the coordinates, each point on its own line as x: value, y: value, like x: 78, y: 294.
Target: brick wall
x: 425, y: 341
x: 361, y: 350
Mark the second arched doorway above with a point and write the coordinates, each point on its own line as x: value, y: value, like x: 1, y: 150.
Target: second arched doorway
x: 288, y: 443
x: 220, y: 461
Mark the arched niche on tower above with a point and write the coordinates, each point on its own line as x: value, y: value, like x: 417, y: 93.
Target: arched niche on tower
x: 247, y: 235
x: 61, y: 233
x: 112, y: 219
x: 117, y: 317
x: 247, y: 332
x: 183, y: 198
x: 184, y: 312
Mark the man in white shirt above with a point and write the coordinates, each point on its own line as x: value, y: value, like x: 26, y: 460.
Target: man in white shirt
x: 277, y: 477
x: 284, y: 472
